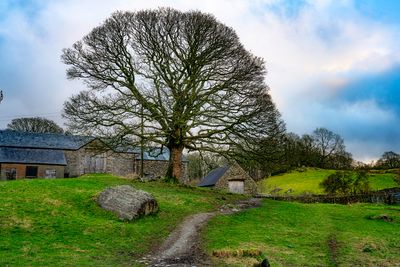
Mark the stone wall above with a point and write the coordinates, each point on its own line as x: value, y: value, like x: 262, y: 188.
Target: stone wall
x: 21, y: 170
x: 85, y: 160
x: 73, y: 163
x: 82, y: 161
x: 378, y: 197
x: 156, y: 168
x: 159, y: 168
x: 236, y: 173
x: 120, y: 164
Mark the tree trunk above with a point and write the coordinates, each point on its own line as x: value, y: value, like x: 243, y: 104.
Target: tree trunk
x: 175, y: 169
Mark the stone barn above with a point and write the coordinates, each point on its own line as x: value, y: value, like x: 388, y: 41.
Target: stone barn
x: 47, y: 155
x: 232, y: 178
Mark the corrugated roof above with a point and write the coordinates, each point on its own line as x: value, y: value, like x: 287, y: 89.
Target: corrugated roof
x: 32, y: 156
x: 212, y: 177
x: 42, y: 140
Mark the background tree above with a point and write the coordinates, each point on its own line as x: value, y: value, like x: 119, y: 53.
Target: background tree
x: 361, y: 184
x: 345, y: 182
x: 389, y: 160
x: 340, y: 160
x: 34, y: 125
x: 337, y: 183
x: 186, y: 74
x: 327, y: 143
x: 1, y: 95
x: 323, y: 149
x: 263, y: 155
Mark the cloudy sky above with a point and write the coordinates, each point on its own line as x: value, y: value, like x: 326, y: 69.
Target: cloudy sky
x: 333, y: 64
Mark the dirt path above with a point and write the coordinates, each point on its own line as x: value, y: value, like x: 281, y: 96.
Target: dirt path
x: 183, y: 246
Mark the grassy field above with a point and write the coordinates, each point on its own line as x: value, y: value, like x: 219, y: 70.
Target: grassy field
x: 57, y: 222
x: 294, y: 234
x: 309, y: 180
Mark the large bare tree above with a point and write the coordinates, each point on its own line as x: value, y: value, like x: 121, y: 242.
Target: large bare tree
x: 178, y: 79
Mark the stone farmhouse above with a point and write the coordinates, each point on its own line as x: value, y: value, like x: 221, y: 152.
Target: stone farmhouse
x: 231, y: 178
x: 31, y: 155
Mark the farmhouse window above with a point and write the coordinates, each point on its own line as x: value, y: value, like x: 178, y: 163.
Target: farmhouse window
x: 50, y: 174
x: 31, y: 171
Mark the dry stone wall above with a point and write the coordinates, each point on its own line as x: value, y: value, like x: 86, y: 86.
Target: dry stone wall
x: 158, y: 168
x: 121, y: 164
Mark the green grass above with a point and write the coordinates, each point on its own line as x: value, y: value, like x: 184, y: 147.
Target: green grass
x: 57, y: 222
x: 295, y: 234
x: 309, y: 180
x: 382, y: 180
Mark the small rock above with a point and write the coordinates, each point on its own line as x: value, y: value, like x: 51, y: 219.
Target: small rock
x: 276, y: 190
x: 149, y: 177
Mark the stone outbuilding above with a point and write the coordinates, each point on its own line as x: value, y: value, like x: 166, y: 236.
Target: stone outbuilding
x: 232, y: 178
x: 48, y: 155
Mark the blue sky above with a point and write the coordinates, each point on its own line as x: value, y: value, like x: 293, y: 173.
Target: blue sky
x: 331, y: 63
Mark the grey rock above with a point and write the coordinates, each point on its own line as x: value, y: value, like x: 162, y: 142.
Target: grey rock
x: 276, y: 190
x: 148, y: 177
x: 128, y: 203
x: 289, y: 191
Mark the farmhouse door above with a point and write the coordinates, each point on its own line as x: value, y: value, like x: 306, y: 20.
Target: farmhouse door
x: 236, y: 187
x: 95, y: 164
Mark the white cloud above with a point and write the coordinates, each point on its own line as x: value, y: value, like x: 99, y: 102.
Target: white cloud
x: 309, y: 56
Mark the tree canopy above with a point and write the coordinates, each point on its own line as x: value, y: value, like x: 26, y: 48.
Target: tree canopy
x: 181, y: 80
x: 34, y: 125
x: 389, y: 160
x: 323, y: 149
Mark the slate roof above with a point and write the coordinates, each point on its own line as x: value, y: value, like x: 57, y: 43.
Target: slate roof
x: 42, y: 140
x: 32, y: 156
x: 68, y: 142
x: 212, y: 177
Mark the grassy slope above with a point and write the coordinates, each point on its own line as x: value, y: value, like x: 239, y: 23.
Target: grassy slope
x: 57, y: 222
x: 295, y: 234
x: 309, y: 180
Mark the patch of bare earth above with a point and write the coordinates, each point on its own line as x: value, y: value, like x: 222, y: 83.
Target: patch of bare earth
x: 183, y: 246
x: 333, y: 246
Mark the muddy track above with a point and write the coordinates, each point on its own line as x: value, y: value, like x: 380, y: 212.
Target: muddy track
x: 333, y: 247
x: 183, y: 246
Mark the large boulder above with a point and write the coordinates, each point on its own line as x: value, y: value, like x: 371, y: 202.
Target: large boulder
x: 127, y: 202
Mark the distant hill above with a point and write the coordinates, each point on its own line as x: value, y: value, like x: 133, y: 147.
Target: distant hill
x: 308, y: 180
